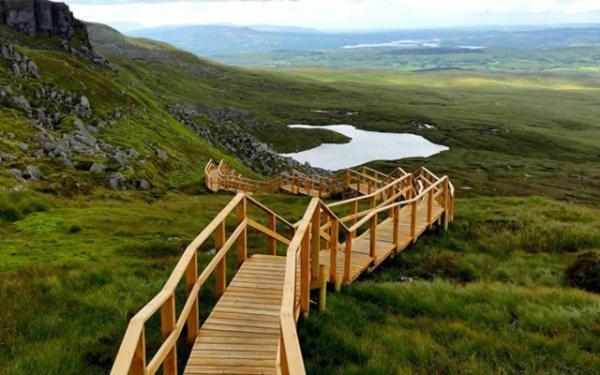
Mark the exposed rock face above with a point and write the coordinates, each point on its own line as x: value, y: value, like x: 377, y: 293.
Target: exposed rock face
x: 229, y: 132
x: 46, y: 17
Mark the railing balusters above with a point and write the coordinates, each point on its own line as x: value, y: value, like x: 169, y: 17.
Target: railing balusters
x: 396, y: 230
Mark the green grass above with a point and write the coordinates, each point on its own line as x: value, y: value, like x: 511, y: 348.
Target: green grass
x: 489, y: 296
x: 72, y: 291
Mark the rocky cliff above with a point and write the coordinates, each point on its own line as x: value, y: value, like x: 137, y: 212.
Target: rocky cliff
x: 41, y: 16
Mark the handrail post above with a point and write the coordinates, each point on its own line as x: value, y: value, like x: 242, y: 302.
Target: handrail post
x: 167, y: 323
x: 446, y: 200
x: 373, y: 238
x: 315, y: 246
x: 242, y: 242
x: 430, y: 208
x: 413, y: 221
x: 396, y: 230
x: 138, y: 365
x: 333, y: 245
x: 272, y: 241
x: 221, y: 269
x: 305, y: 274
x: 347, y: 256
x: 191, y: 277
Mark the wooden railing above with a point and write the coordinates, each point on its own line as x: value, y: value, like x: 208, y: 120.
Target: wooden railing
x: 349, y: 180
x: 131, y: 357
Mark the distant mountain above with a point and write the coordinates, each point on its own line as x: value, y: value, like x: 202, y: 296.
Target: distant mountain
x: 223, y: 40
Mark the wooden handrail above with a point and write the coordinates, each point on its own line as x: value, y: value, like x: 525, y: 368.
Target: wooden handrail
x: 421, y: 195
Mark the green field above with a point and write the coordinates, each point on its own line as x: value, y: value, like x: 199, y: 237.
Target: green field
x: 511, y: 288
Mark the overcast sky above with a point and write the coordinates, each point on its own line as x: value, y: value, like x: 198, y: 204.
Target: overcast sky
x: 340, y: 14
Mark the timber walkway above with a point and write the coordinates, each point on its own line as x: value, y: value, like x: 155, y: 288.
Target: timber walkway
x: 252, y: 327
x: 218, y: 176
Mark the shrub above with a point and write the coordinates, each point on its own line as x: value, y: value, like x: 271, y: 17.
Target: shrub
x: 584, y: 273
x: 74, y: 228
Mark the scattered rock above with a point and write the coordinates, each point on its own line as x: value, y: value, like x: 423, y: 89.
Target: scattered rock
x: 31, y: 173
x: 141, y: 184
x: 161, y: 154
x: 23, y: 147
x: 16, y: 173
x: 17, y: 102
x: 84, y: 103
x: 117, y: 181
x: 7, y: 157
x: 97, y: 168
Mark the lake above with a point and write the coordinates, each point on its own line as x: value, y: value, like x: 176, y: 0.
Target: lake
x: 364, y: 147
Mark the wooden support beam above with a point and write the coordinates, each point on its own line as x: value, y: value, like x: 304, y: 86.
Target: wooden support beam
x: 430, y: 208
x: 167, y: 324
x: 323, y: 290
x: 315, y: 244
x: 138, y: 364
x: 413, y: 221
x: 191, y: 277
x: 446, y: 204
x: 333, y: 245
x: 242, y: 242
x: 272, y: 241
x: 396, y: 227
x: 221, y: 269
x: 305, y: 274
x: 347, y: 257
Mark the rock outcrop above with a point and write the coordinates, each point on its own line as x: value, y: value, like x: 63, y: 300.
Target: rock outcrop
x: 43, y: 16
x: 230, y: 132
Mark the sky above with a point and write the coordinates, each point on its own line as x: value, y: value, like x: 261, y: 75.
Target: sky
x: 339, y: 14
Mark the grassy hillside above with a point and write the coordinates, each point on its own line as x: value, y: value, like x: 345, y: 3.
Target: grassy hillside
x: 502, y: 136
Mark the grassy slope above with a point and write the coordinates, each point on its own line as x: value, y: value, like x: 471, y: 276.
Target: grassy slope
x: 488, y: 297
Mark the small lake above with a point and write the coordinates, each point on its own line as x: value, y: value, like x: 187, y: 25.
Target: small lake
x: 364, y: 147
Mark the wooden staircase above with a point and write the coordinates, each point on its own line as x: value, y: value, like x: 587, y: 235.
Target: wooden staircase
x: 252, y: 327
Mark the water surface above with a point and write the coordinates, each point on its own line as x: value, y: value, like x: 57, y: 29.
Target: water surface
x: 364, y: 147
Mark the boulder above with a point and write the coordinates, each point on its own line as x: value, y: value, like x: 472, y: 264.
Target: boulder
x: 84, y: 103
x: 31, y: 173
x: 97, y: 168
x: 17, y: 102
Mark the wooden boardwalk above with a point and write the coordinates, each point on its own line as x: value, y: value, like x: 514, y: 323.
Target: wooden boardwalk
x: 218, y: 176
x: 252, y: 327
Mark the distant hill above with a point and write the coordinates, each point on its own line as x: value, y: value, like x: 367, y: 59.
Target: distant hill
x: 211, y: 40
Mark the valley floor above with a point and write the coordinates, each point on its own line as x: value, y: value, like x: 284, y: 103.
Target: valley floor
x: 489, y: 295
